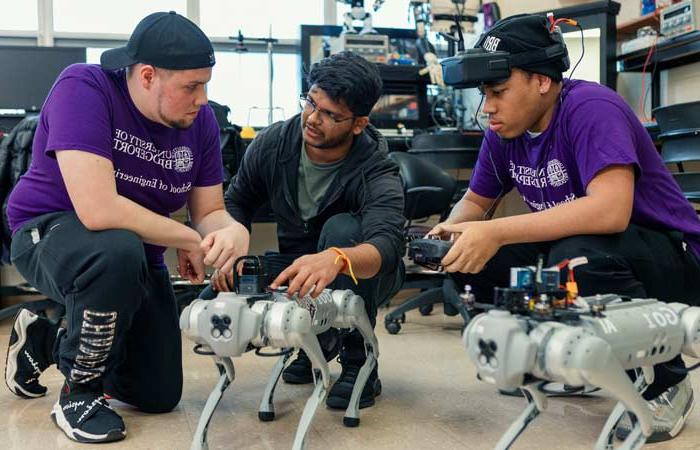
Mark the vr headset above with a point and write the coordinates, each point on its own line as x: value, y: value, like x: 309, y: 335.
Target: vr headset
x: 478, y: 66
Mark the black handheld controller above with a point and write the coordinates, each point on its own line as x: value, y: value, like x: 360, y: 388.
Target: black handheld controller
x: 428, y: 252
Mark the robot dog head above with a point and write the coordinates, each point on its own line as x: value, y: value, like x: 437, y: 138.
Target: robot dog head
x: 499, y: 347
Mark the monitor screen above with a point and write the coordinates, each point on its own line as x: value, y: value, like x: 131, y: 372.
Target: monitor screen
x: 395, y: 108
x: 28, y: 73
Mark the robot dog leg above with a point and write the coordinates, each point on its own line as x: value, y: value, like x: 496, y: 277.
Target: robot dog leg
x: 350, y: 314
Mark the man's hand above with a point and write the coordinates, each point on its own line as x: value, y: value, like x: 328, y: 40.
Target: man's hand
x: 190, y: 265
x: 439, y: 230
x: 317, y: 270
x: 222, y: 281
x: 475, y: 246
x: 223, y: 246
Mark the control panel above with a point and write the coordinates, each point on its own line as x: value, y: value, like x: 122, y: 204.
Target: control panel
x: 679, y: 18
x: 372, y: 47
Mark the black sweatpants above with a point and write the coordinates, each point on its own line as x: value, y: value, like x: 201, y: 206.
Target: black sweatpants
x: 122, y: 327
x: 640, y: 263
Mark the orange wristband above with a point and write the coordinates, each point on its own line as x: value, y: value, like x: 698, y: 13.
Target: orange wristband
x: 346, y: 262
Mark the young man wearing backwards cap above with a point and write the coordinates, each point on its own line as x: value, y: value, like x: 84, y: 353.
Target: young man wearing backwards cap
x: 118, y: 149
x: 596, y: 185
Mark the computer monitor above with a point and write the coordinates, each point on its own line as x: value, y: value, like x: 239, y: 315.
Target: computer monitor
x: 27, y: 73
x: 404, y: 98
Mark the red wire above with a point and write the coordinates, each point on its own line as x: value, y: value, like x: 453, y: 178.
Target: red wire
x: 642, y: 112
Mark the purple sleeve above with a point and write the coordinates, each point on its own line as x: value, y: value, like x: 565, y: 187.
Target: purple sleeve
x: 78, y: 117
x: 601, y: 136
x: 490, y: 178
x: 211, y: 171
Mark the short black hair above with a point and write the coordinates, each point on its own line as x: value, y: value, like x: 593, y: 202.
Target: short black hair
x: 348, y: 77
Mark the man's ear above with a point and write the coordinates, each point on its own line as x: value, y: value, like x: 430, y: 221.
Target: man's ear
x: 146, y: 74
x: 544, y: 83
x: 360, y: 124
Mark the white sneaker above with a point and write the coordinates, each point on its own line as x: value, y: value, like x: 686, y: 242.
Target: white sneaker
x: 670, y: 411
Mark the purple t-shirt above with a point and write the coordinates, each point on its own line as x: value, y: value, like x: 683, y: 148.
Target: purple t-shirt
x: 592, y: 128
x: 90, y: 109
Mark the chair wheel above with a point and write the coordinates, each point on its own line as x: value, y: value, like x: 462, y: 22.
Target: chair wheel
x: 266, y: 416
x: 425, y: 310
x: 392, y: 327
x: 403, y: 318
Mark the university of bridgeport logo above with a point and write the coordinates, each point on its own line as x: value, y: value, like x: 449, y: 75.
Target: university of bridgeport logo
x: 556, y: 173
x: 491, y: 43
x: 183, y: 159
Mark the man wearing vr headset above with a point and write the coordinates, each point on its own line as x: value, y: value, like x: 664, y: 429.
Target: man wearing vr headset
x: 596, y: 185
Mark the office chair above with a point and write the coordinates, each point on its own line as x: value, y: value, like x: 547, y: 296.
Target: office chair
x: 428, y: 191
x: 680, y: 137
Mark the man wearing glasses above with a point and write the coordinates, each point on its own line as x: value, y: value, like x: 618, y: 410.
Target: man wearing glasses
x: 338, y: 203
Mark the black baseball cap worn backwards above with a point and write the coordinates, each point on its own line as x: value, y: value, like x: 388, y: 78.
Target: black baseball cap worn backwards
x: 166, y: 40
x: 523, y: 41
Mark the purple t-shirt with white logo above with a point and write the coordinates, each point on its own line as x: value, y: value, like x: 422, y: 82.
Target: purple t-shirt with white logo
x: 592, y: 128
x: 90, y: 109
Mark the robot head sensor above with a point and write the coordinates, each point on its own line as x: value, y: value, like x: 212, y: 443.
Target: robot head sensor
x: 526, y: 41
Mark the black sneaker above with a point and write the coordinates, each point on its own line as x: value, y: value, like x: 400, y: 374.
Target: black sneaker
x: 85, y: 416
x: 339, y: 396
x: 29, y: 353
x: 299, y: 370
x: 352, y: 357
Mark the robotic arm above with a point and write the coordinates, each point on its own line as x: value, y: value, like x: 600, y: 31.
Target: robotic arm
x: 234, y: 323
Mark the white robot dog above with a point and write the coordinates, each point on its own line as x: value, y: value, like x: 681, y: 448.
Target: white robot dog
x: 235, y: 322
x: 529, y: 340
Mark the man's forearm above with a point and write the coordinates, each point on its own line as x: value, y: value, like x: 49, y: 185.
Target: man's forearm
x: 585, y: 215
x: 153, y: 228
x: 213, y: 221
x: 366, y: 260
x: 465, y: 211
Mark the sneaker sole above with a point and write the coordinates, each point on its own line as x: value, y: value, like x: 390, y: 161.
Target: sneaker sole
x: 22, y: 320
x: 81, y: 436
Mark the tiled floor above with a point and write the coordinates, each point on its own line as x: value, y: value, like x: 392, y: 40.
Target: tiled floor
x: 431, y: 400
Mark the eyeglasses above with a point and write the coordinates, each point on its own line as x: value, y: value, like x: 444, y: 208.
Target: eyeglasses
x: 308, y: 105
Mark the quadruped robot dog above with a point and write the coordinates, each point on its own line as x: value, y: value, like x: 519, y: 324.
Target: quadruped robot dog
x: 538, y: 332
x: 251, y: 318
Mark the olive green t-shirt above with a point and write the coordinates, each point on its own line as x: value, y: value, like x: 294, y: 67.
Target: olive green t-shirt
x: 314, y: 180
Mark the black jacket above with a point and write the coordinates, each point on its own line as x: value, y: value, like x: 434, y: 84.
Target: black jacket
x: 15, y: 158
x: 367, y: 185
